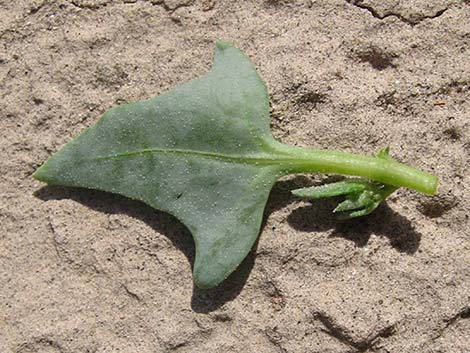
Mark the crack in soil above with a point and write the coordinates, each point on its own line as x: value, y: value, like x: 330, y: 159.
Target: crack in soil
x: 41, y: 343
x: 275, y: 338
x: 462, y: 314
x: 130, y: 293
x: 87, y: 5
x: 172, y: 9
x: 342, y: 334
x: 165, y: 4
x: 410, y: 21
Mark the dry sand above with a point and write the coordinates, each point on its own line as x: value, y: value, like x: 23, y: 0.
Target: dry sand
x: 85, y: 271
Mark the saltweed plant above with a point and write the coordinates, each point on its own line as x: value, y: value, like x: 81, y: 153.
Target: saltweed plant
x: 204, y: 153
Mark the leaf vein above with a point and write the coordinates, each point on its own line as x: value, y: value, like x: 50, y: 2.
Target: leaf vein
x: 232, y: 158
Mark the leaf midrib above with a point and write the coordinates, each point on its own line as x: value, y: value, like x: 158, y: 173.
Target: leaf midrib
x: 270, y: 159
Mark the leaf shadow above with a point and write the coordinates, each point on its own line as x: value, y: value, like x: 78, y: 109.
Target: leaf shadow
x: 165, y: 224
x: 317, y: 216
x: 111, y: 204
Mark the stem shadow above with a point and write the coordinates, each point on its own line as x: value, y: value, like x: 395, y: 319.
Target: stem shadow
x: 318, y: 216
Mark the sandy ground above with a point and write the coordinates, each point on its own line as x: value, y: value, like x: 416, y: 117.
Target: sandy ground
x: 84, y: 271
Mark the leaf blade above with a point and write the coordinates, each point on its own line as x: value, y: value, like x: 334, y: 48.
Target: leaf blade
x: 194, y: 152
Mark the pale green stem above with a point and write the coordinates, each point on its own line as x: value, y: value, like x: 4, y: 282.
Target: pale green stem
x: 387, y: 171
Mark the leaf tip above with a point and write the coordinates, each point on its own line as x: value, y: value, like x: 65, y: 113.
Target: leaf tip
x: 208, y: 273
x: 47, y: 172
x: 204, y: 281
x: 298, y: 192
x: 221, y: 45
x: 40, y: 174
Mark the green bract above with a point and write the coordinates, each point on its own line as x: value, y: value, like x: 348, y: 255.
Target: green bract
x: 204, y: 153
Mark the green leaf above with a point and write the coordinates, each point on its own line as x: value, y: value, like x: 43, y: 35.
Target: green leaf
x: 204, y: 153
x: 191, y: 152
